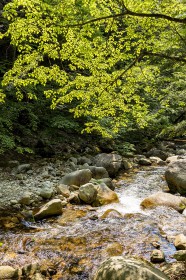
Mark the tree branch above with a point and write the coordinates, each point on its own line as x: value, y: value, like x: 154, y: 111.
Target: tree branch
x: 175, y: 58
x: 130, y: 13
x: 155, y: 15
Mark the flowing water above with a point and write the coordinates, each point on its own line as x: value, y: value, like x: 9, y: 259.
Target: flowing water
x: 72, y: 246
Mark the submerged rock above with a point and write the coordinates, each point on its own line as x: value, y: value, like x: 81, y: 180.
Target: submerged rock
x: 119, y: 268
x: 8, y: 272
x: 30, y: 269
x: 71, y: 215
x: 175, y: 270
x: 114, y: 249
x: 112, y: 214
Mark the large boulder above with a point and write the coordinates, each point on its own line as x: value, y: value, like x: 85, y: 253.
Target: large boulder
x: 175, y: 176
x: 111, y: 162
x: 104, y: 195
x: 164, y: 199
x: 120, y: 268
x: 98, y: 172
x: 154, y: 152
x: 52, y: 208
x: 77, y: 178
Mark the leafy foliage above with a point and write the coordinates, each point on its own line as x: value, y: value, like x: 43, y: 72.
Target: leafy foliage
x: 109, y: 62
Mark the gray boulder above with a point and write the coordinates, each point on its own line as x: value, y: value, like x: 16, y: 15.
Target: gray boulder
x: 46, y: 190
x: 88, y: 193
x: 111, y: 162
x: 84, y: 159
x: 120, y: 268
x: 26, y: 198
x: 144, y: 161
x: 46, y: 193
x: 154, y: 152
x: 98, y: 172
x: 77, y: 178
x: 22, y: 168
x: 52, y: 208
x: 175, y: 176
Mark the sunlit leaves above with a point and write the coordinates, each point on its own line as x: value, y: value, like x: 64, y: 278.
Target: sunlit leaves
x: 83, y: 53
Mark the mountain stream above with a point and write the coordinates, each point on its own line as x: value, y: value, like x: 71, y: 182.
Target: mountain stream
x: 71, y: 247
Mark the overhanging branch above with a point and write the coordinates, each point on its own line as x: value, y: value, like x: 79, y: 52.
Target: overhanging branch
x: 154, y: 15
x: 130, y: 13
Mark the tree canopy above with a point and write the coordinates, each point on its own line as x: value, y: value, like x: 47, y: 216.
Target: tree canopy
x: 111, y: 61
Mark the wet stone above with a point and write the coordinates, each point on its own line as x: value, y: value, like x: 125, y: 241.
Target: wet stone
x: 8, y: 272
x: 180, y: 242
x: 157, y: 256
x: 111, y: 213
x: 156, y: 244
x: 180, y: 255
x: 114, y: 249
x: 119, y: 268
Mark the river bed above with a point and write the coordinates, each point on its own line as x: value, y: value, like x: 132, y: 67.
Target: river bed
x: 72, y: 246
